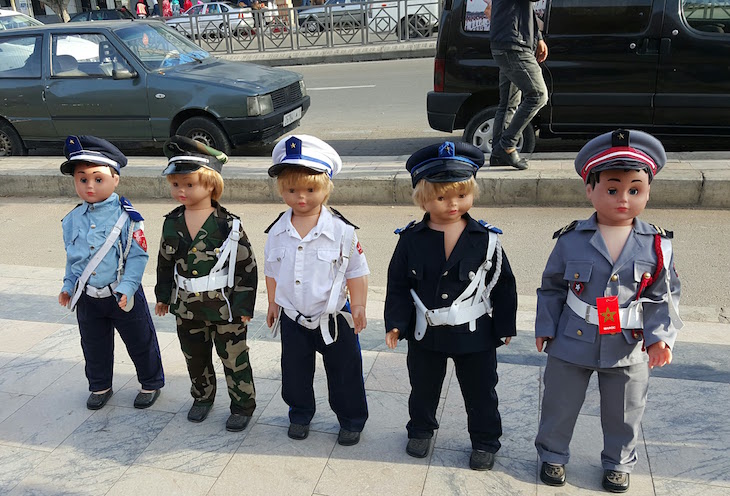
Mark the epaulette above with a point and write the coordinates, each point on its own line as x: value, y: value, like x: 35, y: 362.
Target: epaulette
x: 663, y: 232
x: 342, y: 217
x: 77, y: 206
x: 566, y: 229
x: 275, y: 221
x: 401, y: 230
x: 489, y: 226
x: 133, y: 214
x: 177, y: 212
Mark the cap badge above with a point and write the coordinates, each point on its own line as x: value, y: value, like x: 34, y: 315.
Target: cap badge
x: 447, y: 149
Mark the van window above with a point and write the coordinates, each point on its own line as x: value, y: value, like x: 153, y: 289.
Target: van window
x: 598, y: 16
x: 478, y: 14
x: 707, y: 16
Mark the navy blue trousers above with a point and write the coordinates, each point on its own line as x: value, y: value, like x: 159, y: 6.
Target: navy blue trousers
x: 97, y: 319
x: 342, y: 363
x: 477, y: 375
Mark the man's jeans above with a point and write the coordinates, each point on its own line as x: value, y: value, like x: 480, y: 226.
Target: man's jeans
x: 519, y: 74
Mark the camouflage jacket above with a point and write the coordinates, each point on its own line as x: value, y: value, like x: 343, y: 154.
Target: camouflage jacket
x: 195, y: 258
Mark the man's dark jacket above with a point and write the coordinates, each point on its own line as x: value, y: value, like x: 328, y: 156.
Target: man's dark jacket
x: 514, y: 25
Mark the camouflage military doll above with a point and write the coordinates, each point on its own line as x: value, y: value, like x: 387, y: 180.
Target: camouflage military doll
x: 206, y: 277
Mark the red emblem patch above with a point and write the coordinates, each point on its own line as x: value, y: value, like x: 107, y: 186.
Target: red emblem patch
x: 359, y: 248
x: 577, y: 288
x: 140, y: 239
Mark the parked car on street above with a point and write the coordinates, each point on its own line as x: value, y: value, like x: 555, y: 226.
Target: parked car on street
x: 10, y: 19
x: 661, y: 67
x: 136, y: 83
x: 210, y: 19
x: 103, y: 15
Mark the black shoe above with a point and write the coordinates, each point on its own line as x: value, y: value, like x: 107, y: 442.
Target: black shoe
x: 237, y: 422
x: 418, y: 448
x: 97, y: 401
x: 513, y: 159
x: 615, y: 482
x: 495, y: 162
x: 348, y: 438
x: 552, y: 474
x: 199, y: 411
x: 481, y: 460
x: 298, y: 431
x: 146, y: 400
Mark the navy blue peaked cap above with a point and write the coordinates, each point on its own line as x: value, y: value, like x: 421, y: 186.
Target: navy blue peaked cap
x: 447, y: 162
x: 92, y: 150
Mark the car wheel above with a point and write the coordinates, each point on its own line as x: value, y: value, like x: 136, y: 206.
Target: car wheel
x: 479, y: 132
x: 414, y: 27
x: 11, y: 143
x: 311, y: 25
x: 206, y: 131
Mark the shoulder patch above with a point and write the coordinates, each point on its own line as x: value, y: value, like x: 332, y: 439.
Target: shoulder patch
x: 133, y: 214
x: 401, y: 230
x: 489, y: 226
x: 275, y: 221
x: 663, y: 232
x: 342, y: 217
x: 565, y: 229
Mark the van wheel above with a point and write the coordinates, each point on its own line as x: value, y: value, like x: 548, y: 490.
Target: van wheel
x: 206, y: 131
x: 478, y: 132
x: 11, y: 143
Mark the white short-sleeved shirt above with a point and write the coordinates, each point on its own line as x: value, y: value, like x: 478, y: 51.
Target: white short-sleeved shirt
x: 304, y: 269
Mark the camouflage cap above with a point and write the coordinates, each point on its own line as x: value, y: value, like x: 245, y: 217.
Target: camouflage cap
x: 186, y: 155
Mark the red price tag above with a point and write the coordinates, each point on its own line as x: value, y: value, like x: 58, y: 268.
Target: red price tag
x: 609, y: 321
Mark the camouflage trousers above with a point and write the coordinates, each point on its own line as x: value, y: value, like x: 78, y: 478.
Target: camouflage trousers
x: 196, y: 341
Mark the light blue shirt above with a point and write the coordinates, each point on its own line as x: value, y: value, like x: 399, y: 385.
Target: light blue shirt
x: 85, y: 229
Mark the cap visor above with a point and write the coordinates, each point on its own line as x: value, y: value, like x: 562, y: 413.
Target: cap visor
x: 181, y: 168
x: 277, y: 169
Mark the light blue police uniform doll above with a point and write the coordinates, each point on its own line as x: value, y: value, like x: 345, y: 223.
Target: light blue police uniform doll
x: 607, y: 304
x: 106, y: 254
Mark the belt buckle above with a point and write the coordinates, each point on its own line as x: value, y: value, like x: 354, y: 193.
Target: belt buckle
x: 428, y: 318
x: 588, y: 314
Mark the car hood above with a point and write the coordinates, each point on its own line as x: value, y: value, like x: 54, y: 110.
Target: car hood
x: 242, y: 75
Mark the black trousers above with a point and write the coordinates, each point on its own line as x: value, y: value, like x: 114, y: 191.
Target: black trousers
x: 97, y: 319
x: 342, y: 363
x: 477, y: 375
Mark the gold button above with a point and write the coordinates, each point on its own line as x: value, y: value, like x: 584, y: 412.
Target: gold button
x: 579, y: 332
x: 194, y: 249
x: 217, y: 250
x: 614, y: 277
x: 195, y: 272
x: 576, y: 275
x: 197, y: 294
x: 93, y: 273
x: 93, y: 226
x: 444, y: 296
x: 647, y: 275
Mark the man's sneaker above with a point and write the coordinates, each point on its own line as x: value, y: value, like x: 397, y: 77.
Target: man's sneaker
x: 615, y: 482
x: 418, y: 448
x: 505, y: 158
x: 481, y: 460
x: 552, y: 474
x: 348, y: 438
x: 298, y: 431
x: 199, y: 411
x: 237, y: 422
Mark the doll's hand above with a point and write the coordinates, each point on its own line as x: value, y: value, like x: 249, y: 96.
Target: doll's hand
x: 659, y: 355
x: 63, y: 299
x: 507, y: 340
x: 245, y: 319
x: 391, y: 338
x: 123, y: 301
x: 271, y: 314
x: 358, y: 315
x: 161, y: 309
x: 540, y: 343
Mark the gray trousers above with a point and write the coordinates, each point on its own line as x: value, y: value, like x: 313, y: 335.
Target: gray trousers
x: 623, y: 398
x: 519, y: 76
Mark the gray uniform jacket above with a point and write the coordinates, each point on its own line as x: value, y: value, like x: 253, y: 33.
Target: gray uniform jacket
x: 580, y: 262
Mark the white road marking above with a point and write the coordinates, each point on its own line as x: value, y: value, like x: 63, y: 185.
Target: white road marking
x: 342, y: 87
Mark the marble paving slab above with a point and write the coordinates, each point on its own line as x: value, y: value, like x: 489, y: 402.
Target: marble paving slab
x: 146, y: 481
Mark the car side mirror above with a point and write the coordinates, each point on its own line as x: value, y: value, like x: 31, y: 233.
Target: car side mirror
x: 124, y: 73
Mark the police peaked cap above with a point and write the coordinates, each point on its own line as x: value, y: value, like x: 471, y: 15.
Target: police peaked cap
x: 305, y: 151
x: 447, y: 162
x: 621, y: 149
x: 187, y: 155
x: 92, y: 150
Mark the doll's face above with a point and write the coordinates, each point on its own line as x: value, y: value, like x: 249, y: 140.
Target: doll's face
x: 449, y: 207
x: 619, y: 196
x: 94, y: 183
x: 188, y: 190
x: 304, y: 199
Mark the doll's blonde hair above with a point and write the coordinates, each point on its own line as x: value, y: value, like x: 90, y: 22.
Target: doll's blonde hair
x: 207, y: 178
x: 425, y: 191
x: 301, y: 177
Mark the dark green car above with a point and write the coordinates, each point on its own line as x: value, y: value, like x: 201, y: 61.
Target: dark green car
x: 136, y: 83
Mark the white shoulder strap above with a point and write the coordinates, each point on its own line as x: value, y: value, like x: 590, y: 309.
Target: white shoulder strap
x: 666, y: 246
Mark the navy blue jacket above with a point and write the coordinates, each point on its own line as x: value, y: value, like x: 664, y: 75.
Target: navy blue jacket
x: 514, y: 25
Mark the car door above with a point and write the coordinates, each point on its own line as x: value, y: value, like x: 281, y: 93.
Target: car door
x: 693, y: 86
x: 84, y: 98
x: 601, y: 68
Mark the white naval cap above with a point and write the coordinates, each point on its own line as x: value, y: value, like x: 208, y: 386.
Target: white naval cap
x: 305, y: 151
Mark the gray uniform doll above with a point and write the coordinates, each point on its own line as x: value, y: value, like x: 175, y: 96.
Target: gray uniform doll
x: 607, y: 303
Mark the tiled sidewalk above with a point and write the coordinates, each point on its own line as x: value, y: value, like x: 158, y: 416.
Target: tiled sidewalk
x: 51, y: 444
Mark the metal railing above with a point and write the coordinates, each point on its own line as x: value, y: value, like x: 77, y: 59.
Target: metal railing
x: 365, y: 23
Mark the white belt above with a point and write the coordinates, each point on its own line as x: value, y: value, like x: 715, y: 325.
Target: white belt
x: 632, y: 317
x: 211, y: 282
x: 104, y: 292
x: 321, y: 322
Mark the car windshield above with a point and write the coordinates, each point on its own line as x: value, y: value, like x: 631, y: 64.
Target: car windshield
x: 18, y: 21
x: 157, y: 46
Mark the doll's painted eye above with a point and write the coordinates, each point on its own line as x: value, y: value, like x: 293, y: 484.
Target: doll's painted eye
x: 98, y: 180
x: 310, y: 190
x: 82, y: 180
x: 174, y: 185
x: 633, y: 191
x: 462, y: 196
x: 612, y: 191
x: 440, y: 198
x: 190, y: 185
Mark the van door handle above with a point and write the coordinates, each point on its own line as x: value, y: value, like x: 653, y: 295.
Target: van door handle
x: 647, y: 46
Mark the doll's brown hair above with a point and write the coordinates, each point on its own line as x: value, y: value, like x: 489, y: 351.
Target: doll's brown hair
x: 301, y: 177
x: 425, y: 191
x: 207, y: 178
